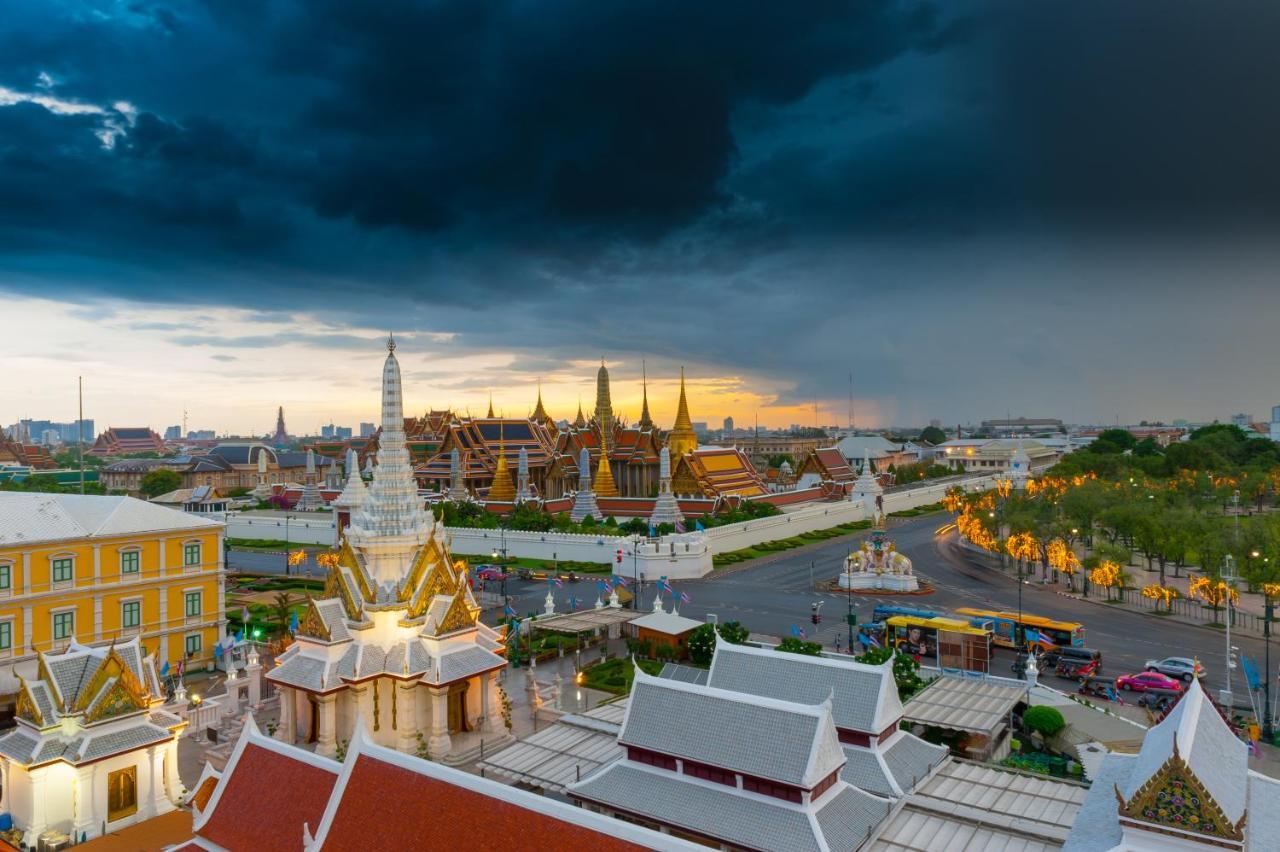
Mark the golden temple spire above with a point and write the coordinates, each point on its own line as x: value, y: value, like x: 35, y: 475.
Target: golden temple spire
x: 604, y: 406
x: 540, y: 413
x: 501, y: 491
x: 682, y: 438
x: 646, y: 422
x: 490, y: 414
x: 604, y: 484
x: 580, y: 421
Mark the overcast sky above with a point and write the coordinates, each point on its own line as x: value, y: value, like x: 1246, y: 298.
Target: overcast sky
x: 1051, y: 209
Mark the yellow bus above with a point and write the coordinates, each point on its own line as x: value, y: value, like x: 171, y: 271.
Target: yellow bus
x: 951, y: 642
x: 1012, y: 631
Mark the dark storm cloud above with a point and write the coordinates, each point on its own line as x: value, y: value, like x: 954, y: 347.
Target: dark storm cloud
x: 524, y: 170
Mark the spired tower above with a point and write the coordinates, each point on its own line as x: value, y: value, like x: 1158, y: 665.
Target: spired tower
x: 523, y: 492
x: 392, y: 524
x: 310, y: 499
x: 682, y: 439
x: 584, y: 502
x: 501, y: 491
x: 396, y: 644
x: 665, y: 509
x: 281, y: 437
x: 646, y: 422
x: 604, y: 407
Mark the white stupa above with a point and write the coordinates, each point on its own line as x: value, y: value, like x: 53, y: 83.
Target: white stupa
x: 665, y: 509
x: 584, y: 502
x: 396, y: 644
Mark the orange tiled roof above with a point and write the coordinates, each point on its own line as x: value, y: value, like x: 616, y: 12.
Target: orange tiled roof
x: 830, y: 465
x: 384, y: 804
x: 266, y: 797
x: 721, y: 472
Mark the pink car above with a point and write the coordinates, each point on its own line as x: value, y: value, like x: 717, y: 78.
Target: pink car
x: 1148, y: 680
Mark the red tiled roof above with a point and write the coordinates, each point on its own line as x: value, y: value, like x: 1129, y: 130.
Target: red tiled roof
x: 788, y: 498
x: 384, y: 806
x: 265, y: 799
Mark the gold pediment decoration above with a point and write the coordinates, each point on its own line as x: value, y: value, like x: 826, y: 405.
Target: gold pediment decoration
x: 1175, y: 798
x: 27, y: 708
x: 118, y: 701
x: 460, y: 614
x: 342, y: 591
x: 347, y: 558
x: 426, y: 558
x: 440, y: 581
x: 313, y: 624
x: 42, y: 673
x: 112, y: 666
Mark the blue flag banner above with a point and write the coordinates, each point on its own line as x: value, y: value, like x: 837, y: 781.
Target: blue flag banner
x: 795, y: 631
x: 239, y: 635
x: 1251, y: 672
x: 217, y: 650
x: 697, y: 525
x: 653, y: 533
x: 293, y: 622
x: 164, y: 670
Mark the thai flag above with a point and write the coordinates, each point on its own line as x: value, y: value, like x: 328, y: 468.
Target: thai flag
x: 684, y: 598
x: 679, y: 526
x: 511, y: 613
x: 1033, y: 635
x: 559, y: 584
x: 870, y: 640
x: 244, y: 614
x: 602, y: 585
x: 623, y: 582
x: 663, y: 585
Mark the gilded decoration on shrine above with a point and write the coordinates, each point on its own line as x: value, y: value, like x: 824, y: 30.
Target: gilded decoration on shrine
x: 117, y: 702
x: 111, y: 667
x: 459, y: 616
x: 27, y: 707
x: 1174, y: 797
x: 313, y: 625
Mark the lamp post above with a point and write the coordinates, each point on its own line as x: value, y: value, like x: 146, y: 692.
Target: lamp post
x: 287, y: 519
x: 848, y: 588
x: 503, y: 573
x: 1268, y: 726
x: 635, y: 571
x: 1228, y: 579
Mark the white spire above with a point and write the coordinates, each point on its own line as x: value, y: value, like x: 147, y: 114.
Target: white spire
x: 584, y: 502
x: 665, y: 509
x: 354, y: 493
x: 457, y: 491
x: 392, y: 509
x: 523, y: 493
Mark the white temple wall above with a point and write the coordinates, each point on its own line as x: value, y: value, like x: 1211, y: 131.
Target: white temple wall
x: 312, y: 528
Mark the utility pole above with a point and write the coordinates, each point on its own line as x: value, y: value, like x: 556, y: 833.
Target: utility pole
x: 1228, y: 577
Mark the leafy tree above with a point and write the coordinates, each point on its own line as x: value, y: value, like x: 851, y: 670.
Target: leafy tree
x: 1044, y: 720
x: 733, y: 632
x: 702, y: 644
x: 906, y: 671
x: 792, y: 645
x: 159, y: 481
x: 1121, y: 438
x: 777, y: 460
x: 933, y: 435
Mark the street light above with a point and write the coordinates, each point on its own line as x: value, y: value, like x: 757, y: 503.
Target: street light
x: 1228, y: 578
x: 635, y: 571
x: 287, y: 519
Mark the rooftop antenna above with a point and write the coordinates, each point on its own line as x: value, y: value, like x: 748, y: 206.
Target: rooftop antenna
x: 851, y: 402
x: 184, y: 420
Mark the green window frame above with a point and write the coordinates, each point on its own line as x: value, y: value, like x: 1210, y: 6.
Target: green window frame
x: 191, y: 554
x: 6, y: 635
x: 63, y: 569
x: 195, y: 604
x: 6, y: 575
x: 194, y: 645
x: 64, y: 624
x: 130, y: 562
x: 131, y: 614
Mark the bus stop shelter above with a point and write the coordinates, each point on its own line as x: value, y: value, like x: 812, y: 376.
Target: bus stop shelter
x: 978, y: 709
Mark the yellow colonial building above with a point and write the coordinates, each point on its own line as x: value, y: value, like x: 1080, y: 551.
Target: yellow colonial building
x: 96, y: 569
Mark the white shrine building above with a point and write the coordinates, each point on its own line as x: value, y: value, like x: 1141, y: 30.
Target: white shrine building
x: 92, y: 751
x: 396, y: 644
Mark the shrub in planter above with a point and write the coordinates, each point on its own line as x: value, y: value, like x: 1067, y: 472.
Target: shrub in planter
x: 1044, y: 720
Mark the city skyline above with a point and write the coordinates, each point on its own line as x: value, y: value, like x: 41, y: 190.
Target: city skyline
x: 944, y: 203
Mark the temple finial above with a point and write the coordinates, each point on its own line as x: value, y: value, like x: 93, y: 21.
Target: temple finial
x: 391, y: 342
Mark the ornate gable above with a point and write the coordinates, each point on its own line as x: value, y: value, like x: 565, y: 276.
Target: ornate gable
x: 111, y: 667
x: 460, y: 614
x: 27, y: 707
x: 313, y: 624
x: 118, y: 701
x: 1174, y: 798
x: 440, y: 581
x: 347, y: 559
x: 427, y: 557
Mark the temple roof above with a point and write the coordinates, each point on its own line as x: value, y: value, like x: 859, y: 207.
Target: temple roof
x: 718, y: 472
x: 863, y: 697
x: 266, y: 794
x: 26, y: 518
x: 779, y: 740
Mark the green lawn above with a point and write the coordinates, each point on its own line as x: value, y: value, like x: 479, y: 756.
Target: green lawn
x: 616, y: 675
x: 733, y: 557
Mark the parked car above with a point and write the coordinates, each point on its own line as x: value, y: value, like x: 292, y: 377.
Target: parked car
x: 1181, y: 668
x: 1148, y: 680
x: 1073, y: 658
x: 524, y: 574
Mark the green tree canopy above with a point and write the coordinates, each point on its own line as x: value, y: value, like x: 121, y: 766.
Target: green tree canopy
x: 933, y: 435
x: 159, y: 481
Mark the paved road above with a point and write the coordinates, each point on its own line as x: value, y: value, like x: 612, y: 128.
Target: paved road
x: 771, y: 597
x: 771, y: 594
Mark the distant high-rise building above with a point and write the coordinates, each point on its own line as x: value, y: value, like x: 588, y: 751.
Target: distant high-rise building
x: 327, y: 430
x: 51, y: 437
x: 173, y: 433
x: 201, y: 435
x: 367, y: 430
x: 1275, y: 422
x: 728, y: 425
x: 1242, y: 420
x: 342, y: 433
